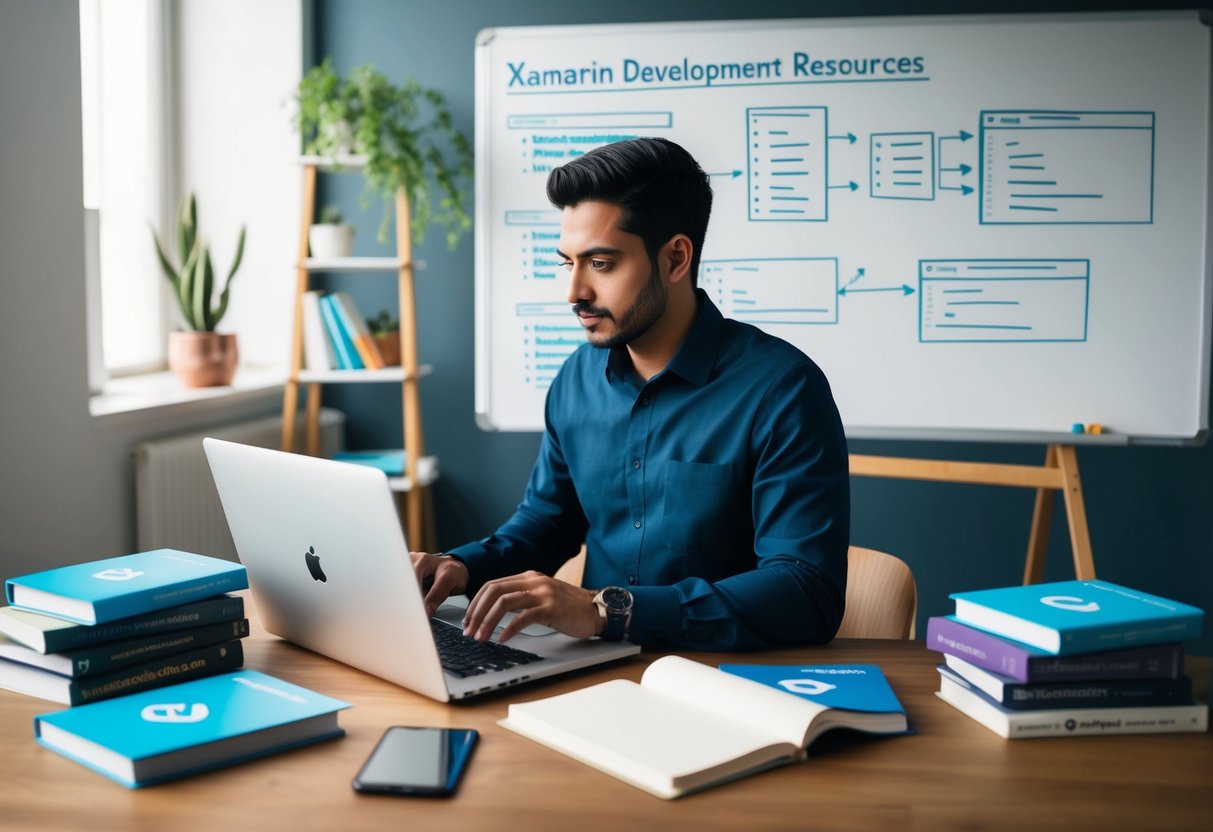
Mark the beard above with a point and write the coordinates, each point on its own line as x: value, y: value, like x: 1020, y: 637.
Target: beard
x: 639, y: 318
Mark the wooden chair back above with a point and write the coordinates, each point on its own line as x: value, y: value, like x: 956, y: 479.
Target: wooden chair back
x: 882, y: 598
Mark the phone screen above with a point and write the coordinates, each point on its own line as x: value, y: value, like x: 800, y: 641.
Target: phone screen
x: 427, y: 761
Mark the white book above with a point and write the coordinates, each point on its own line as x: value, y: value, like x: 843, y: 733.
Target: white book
x: 1070, y: 722
x: 688, y: 726
x: 317, y: 348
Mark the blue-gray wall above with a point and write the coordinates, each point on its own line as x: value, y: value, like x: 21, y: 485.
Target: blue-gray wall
x: 1150, y: 509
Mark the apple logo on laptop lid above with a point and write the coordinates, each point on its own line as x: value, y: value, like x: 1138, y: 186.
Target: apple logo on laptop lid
x: 313, y: 564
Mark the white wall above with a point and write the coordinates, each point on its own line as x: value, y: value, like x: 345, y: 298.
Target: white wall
x: 66, y: 479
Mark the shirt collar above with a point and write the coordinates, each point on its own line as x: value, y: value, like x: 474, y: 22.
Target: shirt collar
x: 695, y: 358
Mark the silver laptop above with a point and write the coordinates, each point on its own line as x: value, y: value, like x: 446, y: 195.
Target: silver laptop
x: 330, y: 571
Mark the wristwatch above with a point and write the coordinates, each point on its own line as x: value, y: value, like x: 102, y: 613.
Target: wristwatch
x: 615, y: 605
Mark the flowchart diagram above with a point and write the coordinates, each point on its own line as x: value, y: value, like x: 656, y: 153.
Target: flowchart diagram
x: 1028, y: 167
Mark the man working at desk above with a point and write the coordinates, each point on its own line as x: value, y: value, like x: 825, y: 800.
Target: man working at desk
x: 701, y: 460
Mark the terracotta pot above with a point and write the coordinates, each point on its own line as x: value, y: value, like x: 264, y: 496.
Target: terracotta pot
x: 389, y: 347
x: 203, y: 359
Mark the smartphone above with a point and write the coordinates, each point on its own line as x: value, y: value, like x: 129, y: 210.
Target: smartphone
x: 417, y: 761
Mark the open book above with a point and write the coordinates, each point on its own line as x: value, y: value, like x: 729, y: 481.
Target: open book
x: 688, y: 726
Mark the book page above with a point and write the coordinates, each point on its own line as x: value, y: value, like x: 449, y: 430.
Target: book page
x: 645, y: 737
x: 731, y: 697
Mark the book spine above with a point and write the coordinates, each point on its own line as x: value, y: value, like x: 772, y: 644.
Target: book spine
x: 353, y: 323
x: 1159, y: 661
x: 169, y: 670
x: 317, y: 348
x: 1112, y: 637
x: 342, y: 342
x: 1133, y: 693
x: 168, y: 595
x: 103, y: 658
x: 196, y: 614
x: 987, y: 651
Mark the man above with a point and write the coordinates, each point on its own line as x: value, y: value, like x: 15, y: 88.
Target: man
x: 700, y: 460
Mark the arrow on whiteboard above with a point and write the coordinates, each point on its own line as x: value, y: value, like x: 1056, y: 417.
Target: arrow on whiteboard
x: 965, y: 190
x: 964, y: 169
x: 850, y: 137
x: 732, y: 174
x: 851, y: 282
x: 850, y: 185
x: 904, y: 289
x: 964, y: 137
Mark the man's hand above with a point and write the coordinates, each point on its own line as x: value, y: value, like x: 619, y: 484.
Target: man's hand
x: 445, y: 575
x: 537, y: 599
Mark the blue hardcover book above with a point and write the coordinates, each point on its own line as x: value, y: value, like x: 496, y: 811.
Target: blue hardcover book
x: 389, y: 461
x: 1070, y: 617
x: 343, y: 343
x: 107, y: 590
x: 848, y: 687
x: 184, y: 729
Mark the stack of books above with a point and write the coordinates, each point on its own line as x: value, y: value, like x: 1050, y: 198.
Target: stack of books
x: 117, y: 626
x: 1068, y: 659
x: 336, y: 335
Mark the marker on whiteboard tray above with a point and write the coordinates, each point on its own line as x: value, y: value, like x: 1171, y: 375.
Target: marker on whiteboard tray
x: 1095, y: 427
x: 1078, y: 427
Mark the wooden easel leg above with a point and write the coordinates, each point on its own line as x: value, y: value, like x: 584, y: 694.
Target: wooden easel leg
x: 1042, y: 519
x: 1080, y: 536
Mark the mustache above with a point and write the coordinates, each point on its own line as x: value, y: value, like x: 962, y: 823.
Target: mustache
x: 582, y: 307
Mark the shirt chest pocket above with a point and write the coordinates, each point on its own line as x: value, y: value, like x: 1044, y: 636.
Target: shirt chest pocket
x: 701, y: 506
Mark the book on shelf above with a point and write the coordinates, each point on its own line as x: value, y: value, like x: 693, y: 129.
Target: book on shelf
x: 318, y: 352
x: 343, y: 344
x: 1068, y: 722
x: 1068, y: 617
x: 192, y: 727
x: 354, y: 324
x: 102, y: 658
x: 177, y: 667
x: 1024, y: 663
x: 687, y: 726
x: 106, y: 590
x: 388, y: 460
x: 1022, y: 696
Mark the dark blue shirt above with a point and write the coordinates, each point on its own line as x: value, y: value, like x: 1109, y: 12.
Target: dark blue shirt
x: 717, y: 492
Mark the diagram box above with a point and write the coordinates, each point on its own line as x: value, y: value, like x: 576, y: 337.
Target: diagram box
x: 902, y: 166
x: 1046, y: 167
x: 787, y: 164
x: 1003, y: 300
x: 785, y: 290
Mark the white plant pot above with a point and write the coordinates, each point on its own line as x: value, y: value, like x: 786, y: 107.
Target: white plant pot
x: 329, y: 241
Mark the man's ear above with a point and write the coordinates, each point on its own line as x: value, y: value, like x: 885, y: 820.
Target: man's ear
x: 676, y: 257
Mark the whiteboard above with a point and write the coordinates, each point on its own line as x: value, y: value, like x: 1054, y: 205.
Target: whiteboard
x: 979, y: 227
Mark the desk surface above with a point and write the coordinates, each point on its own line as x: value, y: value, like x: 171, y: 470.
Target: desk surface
x: 952, y: 774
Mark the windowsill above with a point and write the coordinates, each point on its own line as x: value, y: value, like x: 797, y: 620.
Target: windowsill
x: 161, y: 391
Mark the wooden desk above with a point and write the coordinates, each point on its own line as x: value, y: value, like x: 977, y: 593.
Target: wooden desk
x: 952, y: 774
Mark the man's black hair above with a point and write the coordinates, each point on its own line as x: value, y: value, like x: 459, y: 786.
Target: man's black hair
x: 660, y: 188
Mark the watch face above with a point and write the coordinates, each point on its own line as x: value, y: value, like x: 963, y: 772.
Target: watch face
x: 617, y: 599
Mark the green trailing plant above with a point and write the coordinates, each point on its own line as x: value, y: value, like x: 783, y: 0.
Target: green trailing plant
x: 194, y: 282
x: 406, y: 133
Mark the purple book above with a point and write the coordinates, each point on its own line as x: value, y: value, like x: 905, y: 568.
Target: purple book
x: 1028, y: 664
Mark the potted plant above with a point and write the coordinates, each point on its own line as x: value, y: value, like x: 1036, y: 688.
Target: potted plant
x: 386, y: 331
x: 331, y: 237
x: 200, y: 356
x: 406, y: 134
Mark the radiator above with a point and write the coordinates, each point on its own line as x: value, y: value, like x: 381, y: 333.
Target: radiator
x: 176, y: 505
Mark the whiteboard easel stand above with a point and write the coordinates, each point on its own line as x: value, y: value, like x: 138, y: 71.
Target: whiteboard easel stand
x: 1059, y: 473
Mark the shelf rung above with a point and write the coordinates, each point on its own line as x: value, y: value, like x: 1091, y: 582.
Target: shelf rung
x: 344, y: 161
x: 387, y: 374
x: 352, y: 264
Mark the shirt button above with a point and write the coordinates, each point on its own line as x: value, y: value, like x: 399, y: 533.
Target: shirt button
x: 636, y: 464
x: 645, y: 401
x: 637, y: 524
x: 632, y: 579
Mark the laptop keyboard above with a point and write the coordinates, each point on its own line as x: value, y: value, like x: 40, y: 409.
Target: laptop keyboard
x: 464, y: 656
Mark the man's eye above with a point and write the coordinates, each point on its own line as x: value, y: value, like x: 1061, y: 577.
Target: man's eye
x: 566, y: 264
x: 599, y: 265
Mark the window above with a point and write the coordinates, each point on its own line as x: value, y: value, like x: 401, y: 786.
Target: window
x: 126, y: 139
